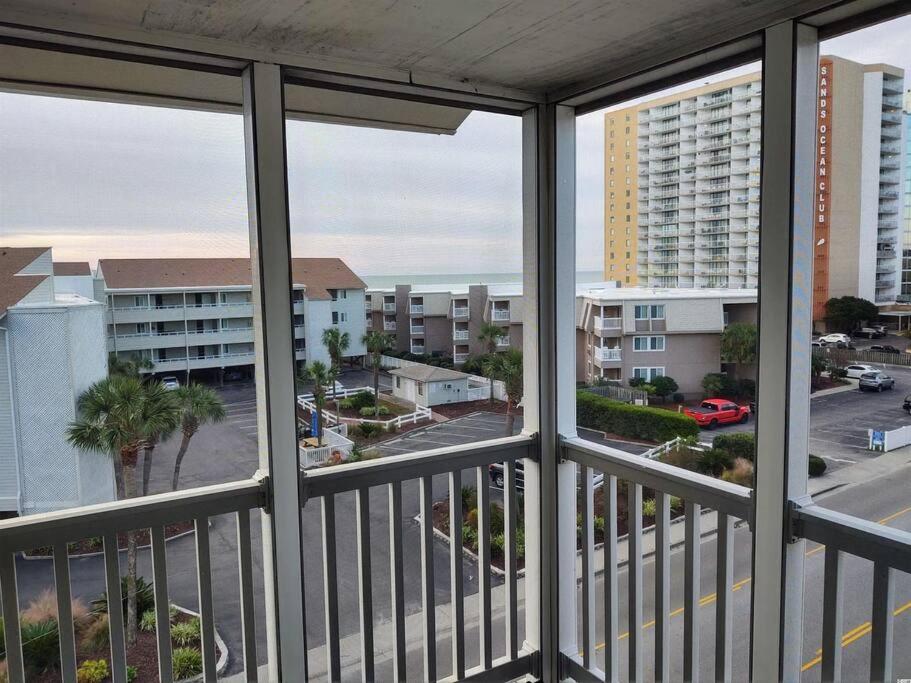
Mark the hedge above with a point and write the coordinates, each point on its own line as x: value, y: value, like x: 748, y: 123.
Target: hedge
x: 637, y: 422
x: 738, y: 445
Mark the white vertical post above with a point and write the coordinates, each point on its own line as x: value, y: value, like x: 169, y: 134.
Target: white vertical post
x: 270, y: 251
x: 549, y: 167
x: 785, y: 326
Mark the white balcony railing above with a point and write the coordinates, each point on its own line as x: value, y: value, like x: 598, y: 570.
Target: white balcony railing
x: 460, y: 335
x: 389, y: 325
x: 503, y: 341
x: 417, y: 329
x: 460, y: 312
x: 417, y: 349
x: 388, y: 307
x: 606, y: 354
x: 458, y: 358
x: 501, y: 314
x: 607, y: 323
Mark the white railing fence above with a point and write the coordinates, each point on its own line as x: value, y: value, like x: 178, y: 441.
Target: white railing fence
x: 419, y: 414
x: 335, y: 441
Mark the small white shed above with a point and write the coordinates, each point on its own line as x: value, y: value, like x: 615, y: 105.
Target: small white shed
x: 426, y: 385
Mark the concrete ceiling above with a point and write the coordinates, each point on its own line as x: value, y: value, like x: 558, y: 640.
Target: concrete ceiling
x: 534, y: 46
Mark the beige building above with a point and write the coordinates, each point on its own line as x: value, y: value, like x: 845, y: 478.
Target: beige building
x: 621, y: 180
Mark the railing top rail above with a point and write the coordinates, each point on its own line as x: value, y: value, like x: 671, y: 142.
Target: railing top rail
x: 854, y: 536
x: 713, y: 493
x: 63, y: 526
x: 396, y: 468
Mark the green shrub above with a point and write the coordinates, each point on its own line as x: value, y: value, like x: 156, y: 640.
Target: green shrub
x: 649, y: 507
x: 713, y: 462
x: 92, y: 671
x: 676, y: 503
x: 361, y: 399
x: 599, y: 524
x: 145, y: 597
x: 469, y: 497
x: 496, y: 519
x: 520, y: 543
x: 741, y: 473
x: 664, y: 385
x: 371, y: 411
x: 346, y: 404
x: 132, y: 673
x: 739, y: 445
x: 497, y: 543
x: 368, y: 430
x: 816, y: 466
x: 469, y: 537
x: 838, y: 373
x: 186, y: 662
x: 147, y: 621
x: 185, y: 632
x: 40, y: 645
x: 746, y: 389
x: 638, y: 422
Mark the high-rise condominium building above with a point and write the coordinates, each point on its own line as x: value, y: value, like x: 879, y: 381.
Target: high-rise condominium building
x: 682, y: 176
x: 682, y: 194
x: 859, y: 172
x: 905, y: 295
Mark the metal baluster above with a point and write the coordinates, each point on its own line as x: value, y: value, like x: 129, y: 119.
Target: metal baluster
x: 881, y: 639
x: 456, y: 575
x: 427, y: 583
x: 611, y: 589
x: 64, y: 612
x: 634, y: 523
x: 484, y: 567
x: 330, y: 588
x: 724, y: 613
x: 510, y: 516
x: 662, y: 587
x: 115, y: 616
x: 588, y: 568
x: 397, y: 578
x: 9, y: 595
x: 691, y: 571
x: 363, y: 582
x: 162, y: 608
x: 206, y: 608
x: 245, y: 570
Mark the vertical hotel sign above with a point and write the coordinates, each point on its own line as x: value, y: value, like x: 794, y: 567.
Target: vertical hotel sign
x: 823, y: 189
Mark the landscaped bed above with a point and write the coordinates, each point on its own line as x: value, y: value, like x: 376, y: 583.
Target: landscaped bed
x: 41, y: 643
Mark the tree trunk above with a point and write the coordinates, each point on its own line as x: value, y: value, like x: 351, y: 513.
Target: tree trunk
x: 147, y: 468
x: 182, y: 451
x: 319, y: 425
x: 491, y: 389
x: 376, y: 387
x: 129, y: 481
x: 118, y: 477
x: 510, y: 417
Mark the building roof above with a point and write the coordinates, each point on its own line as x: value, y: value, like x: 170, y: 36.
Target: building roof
x: 428, y: 373
x: 317, y: 274
x: 72, y: 268
x: 664, y: 294
x: 14, y: 287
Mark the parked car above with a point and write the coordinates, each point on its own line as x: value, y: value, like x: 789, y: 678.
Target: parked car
x: 869, y: 333
x: 233, y: 375
x: 906, y: 406
x: 498, y: 475
x: 718, y: 411
x: 170, y: 382
x: 884, y: 348
x: 876, y: 381
x: 835, y: 338
x: 816, y: 344
x: 855, y: 371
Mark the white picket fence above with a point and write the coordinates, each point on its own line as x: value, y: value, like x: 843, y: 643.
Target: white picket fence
x: 664, y: 448
x: 335, y: 440
x: 420, y: 413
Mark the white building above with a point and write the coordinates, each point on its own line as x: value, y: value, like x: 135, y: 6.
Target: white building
x: 427, y: 386
x: 196, y: 314
x: 51, y: 350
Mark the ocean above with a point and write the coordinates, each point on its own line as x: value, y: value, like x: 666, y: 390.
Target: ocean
x: 386, y: 281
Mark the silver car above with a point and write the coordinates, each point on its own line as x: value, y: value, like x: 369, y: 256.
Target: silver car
x: 876, y: 381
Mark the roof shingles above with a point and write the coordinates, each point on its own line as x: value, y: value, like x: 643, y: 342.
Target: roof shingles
x: 15, y: 287
x: 318, y: 275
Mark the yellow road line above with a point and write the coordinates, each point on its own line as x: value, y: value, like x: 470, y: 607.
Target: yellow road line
x: 847, y: 638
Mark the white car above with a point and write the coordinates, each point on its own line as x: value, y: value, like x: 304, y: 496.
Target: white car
x: 170, y: 382
x: 856, y: 371
x: 835, y: 338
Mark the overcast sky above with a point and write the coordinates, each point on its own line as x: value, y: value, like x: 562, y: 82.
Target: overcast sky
x: 104, y: 180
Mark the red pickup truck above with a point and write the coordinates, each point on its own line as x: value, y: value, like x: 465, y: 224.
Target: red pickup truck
x: 718, y: 411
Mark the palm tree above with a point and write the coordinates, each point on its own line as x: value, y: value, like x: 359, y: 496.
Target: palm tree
x: 163, y: 402
x: 198, y: 405
x: 377, y: 343
x: 336, y: 343
x: 507, y: 367
x: 116, y: 417
x: 488, y: 335
x: 131, y: 367
x: 321, y: 376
